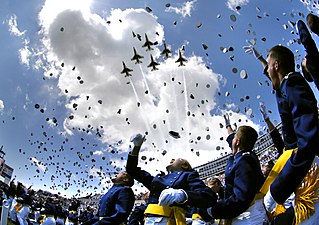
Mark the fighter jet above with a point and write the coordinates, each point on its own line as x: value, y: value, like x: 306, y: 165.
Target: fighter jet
x: 147, y: 44
x: 166, y: 51
x: 153, y: 64
x: 180, y: 59
x: 136, y: 57
x: 126, y: 70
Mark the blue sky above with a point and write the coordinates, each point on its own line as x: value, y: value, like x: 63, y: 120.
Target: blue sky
x: 67, y: 113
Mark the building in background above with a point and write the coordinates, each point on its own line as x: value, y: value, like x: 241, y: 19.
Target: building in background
x: 6, y: 173
x: 2, y: 154
x: 5, y: 170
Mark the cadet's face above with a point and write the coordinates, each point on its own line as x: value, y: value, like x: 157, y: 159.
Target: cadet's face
x: 119, y: 178
x: 272, y: 71
x: 234, y: 144
x: 215, y: 186
x: 175, y: 165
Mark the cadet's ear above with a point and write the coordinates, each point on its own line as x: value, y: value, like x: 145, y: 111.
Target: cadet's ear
x: 277, y: 65
x: 185, y: 166
x: 238, y: 142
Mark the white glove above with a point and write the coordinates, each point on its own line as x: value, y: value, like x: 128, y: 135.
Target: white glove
x: 171, y: 195
x: 227, y: 120
x: 263, y: 111
x: 269, y: 202
x: 137, y: 139
x: 251, y: 50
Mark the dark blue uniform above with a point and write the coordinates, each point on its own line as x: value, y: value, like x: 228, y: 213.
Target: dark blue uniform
x: 73, y: 208
x: 85, y: 216
x: 297, y: 107
x: 137, y: 216
x: 312, y: 56
x: 115, y: 206
x: 243, y: 179
x: 199, y: 194
x: 277, y: 140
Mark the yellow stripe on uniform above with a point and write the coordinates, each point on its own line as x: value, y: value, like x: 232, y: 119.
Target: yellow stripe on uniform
x: 276, y: 170
x: 196, y: 216
x: 175, y: 215
x: 306, y: 193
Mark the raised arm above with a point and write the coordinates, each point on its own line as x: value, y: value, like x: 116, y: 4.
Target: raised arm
x: 131, y: 165
x: 250, y: 49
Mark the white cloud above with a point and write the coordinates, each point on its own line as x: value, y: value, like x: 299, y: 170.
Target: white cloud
x: 1, y: 105
x: 52, y: 8
x: 185, y: 10
x: 98, y: 152
x: 13, y: 26
x: 179, y: 98
x: 25, y: 54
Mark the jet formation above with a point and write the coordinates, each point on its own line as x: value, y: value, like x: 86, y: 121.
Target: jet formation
x: 166, y: 53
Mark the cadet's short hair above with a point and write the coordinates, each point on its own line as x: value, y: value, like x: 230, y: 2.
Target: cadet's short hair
x: 214, y: 180
x: 284, y: 55
x: 313, y: 22
x: 130, y: 179
x: 248, y: 137
x: 186, y: 166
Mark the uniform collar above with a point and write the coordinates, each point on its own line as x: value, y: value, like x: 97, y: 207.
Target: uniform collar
x: 118, y: 185
x: 239, y: 153
x: 288, y: 74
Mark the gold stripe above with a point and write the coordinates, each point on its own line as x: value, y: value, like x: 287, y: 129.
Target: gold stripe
x: 175, y: 215
x: 276, y: 170
x: 156, y: 209
x: 196, y: 216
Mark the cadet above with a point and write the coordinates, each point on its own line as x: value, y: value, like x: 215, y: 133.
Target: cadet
x: 170, y: 193
x: 117, y: 204
x: 243, y: 179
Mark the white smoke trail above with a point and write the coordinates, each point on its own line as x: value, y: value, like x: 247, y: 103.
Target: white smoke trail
x: 186, y: 110
x: 145, y: 81
x: 150, y: 131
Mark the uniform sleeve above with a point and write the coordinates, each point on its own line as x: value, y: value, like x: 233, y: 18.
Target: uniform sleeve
x: 229, y: 139
x: 246, y: 183
x: 312, y: 62
x: 137, y: 173
x: 277, y: 140
x: 137, y: 216
x: 303, y: 107
x: 199, y: 194
x: 123, y: 208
